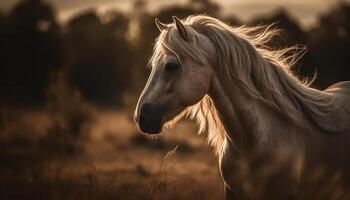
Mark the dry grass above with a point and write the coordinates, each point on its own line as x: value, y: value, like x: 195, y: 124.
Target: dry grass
x: 114, y: 160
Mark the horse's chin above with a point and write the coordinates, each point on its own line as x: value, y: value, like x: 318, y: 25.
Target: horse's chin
x: 152, y: 130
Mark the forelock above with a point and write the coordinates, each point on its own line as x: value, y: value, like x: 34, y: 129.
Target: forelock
x: 170, y: 42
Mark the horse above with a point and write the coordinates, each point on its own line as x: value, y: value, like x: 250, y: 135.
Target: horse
x: 275, y: 136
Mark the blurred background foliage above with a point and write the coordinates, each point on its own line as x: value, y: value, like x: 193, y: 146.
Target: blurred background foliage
x: 103, y: 55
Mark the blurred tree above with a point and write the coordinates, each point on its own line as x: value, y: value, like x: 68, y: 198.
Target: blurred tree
x: 208, y: 7
x: 30, y: 51
x: 232, y: 20
x: 2, y: 20
x: 100, y: 57
x: 291, y: 35
x: 3, y: 37
x: 331, y: 46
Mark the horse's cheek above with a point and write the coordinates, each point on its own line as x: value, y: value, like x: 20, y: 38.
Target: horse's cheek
x: 191, y: 93
x: 194, y: 87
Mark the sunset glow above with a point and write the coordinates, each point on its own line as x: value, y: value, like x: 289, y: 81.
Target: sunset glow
x: 305, y: 12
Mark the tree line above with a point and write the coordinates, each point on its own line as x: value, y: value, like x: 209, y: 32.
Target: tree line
x: 103, y: 56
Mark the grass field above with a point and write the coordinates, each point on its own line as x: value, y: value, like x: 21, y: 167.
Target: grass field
x: 43, y: 157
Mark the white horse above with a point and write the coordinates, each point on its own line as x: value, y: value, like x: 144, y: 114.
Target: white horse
x: 276, y: 137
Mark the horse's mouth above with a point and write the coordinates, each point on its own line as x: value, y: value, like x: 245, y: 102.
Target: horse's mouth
x: 152, y: 130
x: 152, y: 127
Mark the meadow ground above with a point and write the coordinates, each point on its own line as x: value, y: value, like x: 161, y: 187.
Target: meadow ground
x: 108, y: 159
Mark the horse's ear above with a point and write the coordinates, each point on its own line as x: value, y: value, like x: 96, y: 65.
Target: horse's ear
x: 161, y: 26
x: 180, y: 27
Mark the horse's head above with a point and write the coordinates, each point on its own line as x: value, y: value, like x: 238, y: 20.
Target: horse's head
x: 180, y: 75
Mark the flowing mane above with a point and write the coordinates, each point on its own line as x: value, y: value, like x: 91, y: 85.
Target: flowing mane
x: 242, y: 53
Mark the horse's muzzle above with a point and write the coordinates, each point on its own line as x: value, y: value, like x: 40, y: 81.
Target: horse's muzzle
x: 149, y: 119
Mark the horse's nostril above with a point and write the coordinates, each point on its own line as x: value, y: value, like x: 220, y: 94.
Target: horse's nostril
x: 142, y: 120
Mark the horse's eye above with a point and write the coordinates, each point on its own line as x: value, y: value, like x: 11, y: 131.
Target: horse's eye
x: 171, y: 66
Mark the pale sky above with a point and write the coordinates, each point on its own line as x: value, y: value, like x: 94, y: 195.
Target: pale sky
x: 304, y: 11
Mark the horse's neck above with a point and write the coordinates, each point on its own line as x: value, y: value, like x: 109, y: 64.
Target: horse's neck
x: 247, y: 121
x: 233, y: 112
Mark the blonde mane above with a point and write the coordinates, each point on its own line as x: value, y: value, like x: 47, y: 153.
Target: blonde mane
x: 242, y: 53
